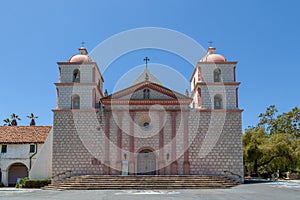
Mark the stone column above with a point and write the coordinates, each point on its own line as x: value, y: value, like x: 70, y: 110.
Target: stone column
x: 119, y: 143
x: 186, y: 162
x: 131, y: 165
x: 174, y: 164
x: 161, y: 163
x: 107, y: 143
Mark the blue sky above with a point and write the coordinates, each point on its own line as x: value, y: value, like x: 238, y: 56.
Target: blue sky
x: 263, y: 36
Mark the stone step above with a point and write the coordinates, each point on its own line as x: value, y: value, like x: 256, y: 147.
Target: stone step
x: 144, y: 188
x: 94, y: 182
x: 124, y: 181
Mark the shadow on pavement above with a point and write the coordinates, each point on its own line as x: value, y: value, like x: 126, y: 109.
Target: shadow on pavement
x: 256, y: 181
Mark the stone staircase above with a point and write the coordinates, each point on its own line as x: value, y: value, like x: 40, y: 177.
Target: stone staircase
x: 100, y: 182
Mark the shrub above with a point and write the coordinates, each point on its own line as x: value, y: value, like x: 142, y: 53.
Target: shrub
x: 21, y: 182
x: 36, y: 183
x: 1, y: 184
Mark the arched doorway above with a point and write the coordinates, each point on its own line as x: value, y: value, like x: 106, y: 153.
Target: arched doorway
x: 15, y: 171
x: 146, y: 162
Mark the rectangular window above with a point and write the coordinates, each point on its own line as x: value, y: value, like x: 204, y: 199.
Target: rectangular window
x: 32, y: 148
x: 3, y: 148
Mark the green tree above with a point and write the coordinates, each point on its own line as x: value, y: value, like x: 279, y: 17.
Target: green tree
x: 32, y: 117
x: 253, y: 147
x: 267, y: 119
x: 7, y: 122
x: 274, y: 143
x: 289, y: 122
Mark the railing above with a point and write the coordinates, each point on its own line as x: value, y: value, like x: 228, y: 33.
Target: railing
x: 61, y: 176
x: 232, y: 174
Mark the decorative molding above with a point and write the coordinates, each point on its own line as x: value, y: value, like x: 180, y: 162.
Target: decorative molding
x: 150, y: 85
x: 145, y: 102
x: 75, y: 84
x: 75, y: 110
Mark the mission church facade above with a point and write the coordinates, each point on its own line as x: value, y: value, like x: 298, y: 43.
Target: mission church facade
x: 148, y: 129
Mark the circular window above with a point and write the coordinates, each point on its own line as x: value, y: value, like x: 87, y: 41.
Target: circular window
x: 146, y: 125
x: 145, y: 122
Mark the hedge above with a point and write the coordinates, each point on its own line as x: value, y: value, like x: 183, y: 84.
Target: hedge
x: 36, y: 183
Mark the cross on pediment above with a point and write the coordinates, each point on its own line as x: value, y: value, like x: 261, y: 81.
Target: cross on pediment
x: 146, y: 59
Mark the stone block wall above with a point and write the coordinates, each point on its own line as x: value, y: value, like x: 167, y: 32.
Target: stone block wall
x: 84, y: 92
x: 86, y: 72
x: 227, y: 72
x: 78, y: 142
x: 215, y: 141
x: 228, y: 96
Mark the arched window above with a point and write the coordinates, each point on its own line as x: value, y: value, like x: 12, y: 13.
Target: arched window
x: 146, y: 94
x: 59, y: 78
x: 57, y: 97
x: 218, y: 104
x: 75, y: 101
x: 199, y: 97
x: 217, y: 75
x: 76, y: 76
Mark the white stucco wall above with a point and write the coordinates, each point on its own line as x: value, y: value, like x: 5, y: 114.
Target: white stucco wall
x: 42, y: 168
x: 16, y: 153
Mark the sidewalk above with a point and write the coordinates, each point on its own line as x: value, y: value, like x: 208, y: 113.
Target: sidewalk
x: 292, y: 180
x: 16, y: 189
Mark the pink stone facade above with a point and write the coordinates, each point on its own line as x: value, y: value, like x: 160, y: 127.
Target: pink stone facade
x: 175, y: 138
x: 193, y: 150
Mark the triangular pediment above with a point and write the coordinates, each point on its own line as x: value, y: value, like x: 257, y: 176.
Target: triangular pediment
x: 146, y: 76
x: 137, y: 92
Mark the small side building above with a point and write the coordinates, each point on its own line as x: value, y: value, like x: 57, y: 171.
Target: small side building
x: 20, y: 146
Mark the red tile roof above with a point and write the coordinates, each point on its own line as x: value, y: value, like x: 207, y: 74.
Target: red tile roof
x: 23, y: 134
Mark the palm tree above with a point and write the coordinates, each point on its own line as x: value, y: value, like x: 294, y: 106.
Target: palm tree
x: 14, y: 119
x: 32, y: 117
x: 7, y: 122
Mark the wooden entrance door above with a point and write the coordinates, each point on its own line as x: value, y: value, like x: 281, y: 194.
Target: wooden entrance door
x: 146, y: 163
x: 16, y: 171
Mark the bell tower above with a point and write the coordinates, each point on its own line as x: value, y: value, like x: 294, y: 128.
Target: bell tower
x: 79, y: 91
x: 80, y: 83
x: 213, y: 83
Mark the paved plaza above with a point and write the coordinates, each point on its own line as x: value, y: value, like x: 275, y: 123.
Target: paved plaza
x: 265, y: 191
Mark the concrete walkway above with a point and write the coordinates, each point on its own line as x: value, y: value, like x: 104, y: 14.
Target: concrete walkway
x: 267, y: 191
x: 293, y: 180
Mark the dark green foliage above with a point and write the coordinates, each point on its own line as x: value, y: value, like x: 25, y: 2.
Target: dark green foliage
x: 7, y: 122
x: 274, y: 144
x: 36, y: 183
